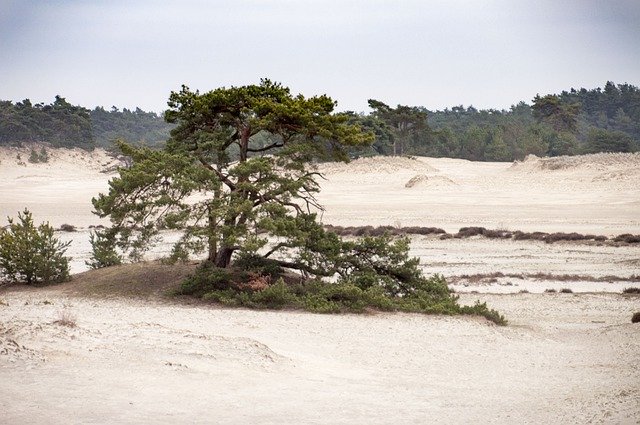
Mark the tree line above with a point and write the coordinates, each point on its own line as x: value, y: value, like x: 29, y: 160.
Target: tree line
x: 62, y: 124
x: 572, y: 122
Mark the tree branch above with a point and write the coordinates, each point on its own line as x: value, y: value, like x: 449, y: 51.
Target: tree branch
x: 266, y: 148
x: 304, y: 268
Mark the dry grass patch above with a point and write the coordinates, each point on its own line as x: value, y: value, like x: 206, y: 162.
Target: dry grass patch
x: 66, y: 318
x: 138, y: 280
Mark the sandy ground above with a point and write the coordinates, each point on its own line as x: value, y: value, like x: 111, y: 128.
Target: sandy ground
x: 565, y: 358
x: 598, y: 195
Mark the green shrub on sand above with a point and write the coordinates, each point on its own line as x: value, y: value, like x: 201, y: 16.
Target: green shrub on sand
x: 241, y: 288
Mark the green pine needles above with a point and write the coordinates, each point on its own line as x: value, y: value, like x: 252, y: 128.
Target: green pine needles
x: 30, y: 254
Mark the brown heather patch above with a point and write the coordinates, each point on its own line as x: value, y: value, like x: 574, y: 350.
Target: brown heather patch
x: 492, y: 277
x: 467, y: 232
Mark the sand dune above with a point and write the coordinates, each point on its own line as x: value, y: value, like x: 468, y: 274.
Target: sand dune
x: 564, y: 358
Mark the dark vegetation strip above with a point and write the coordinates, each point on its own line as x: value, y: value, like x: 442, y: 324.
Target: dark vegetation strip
x: 467, y: 232
x: 266, y: 286
x: 492, y: 277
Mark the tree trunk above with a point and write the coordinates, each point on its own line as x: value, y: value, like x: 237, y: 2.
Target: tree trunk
x: 223, y: 257
x: 245, y: 133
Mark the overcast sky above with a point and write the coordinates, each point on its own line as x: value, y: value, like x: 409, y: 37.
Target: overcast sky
x: 437, y: 54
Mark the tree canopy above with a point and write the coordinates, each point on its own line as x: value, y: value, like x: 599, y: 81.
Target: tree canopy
x: 234, y: 176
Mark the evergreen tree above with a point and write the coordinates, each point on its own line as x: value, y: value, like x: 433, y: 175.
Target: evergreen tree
x: 32, y: 254
x: 247, y: 191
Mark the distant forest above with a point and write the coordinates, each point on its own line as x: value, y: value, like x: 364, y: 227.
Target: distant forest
x: 572, y: 122
x: 64, y: 125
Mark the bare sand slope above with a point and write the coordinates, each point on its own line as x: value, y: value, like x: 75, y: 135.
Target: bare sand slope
x: 565, y: 359
x: 588, y: 194
x: 58, y: 191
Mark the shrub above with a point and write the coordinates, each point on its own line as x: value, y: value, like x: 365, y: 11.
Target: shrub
x: 103, y: 250
x: 566, y: 291
x: 206, y: 279
x: 433, y: 297
x: 31, y: 254
x: 555, y: 237
x: 636, y: 317
x: 497, y: 234
x: 521, y: 236
x: 481, y: 309
x: 33, y: 157
x: 466, y: 232
x: 68, y: 228
x: 627, y: 238
x: 275, y: 296
x: 257, y: 264
x: 550, y: 290
x: 373, y: 272
x: 43, y: 155
x: 632, y: 290
x: 417, y: 230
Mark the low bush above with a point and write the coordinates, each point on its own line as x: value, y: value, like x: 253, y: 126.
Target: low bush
x: 497, y: 234
x: 566, y: 291
x: 521, y: 236
x: 257, y: 264
x: 30, y: 254
x: 481, y: 309
x: 36, y: 157
x: 430, y: 295
x: 417, y: 230
x: 467, y: 232
x: 627, y: 238
x: 68, y: 228
x: 381, y: 230
x: 205, y: 280
x: 555, y: 237
x: 636, y: 317
x: 632, y: 290
x: 550, y: 290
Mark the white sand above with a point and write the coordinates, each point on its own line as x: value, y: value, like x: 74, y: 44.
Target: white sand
x: 599, y: 197
x: 565, y: 358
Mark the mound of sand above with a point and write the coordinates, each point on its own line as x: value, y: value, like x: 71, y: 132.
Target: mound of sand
x: 82, y: 160
x: 618, y: 176
x: 379, y: 164
x: 422, y: 180
x: 593, y: 162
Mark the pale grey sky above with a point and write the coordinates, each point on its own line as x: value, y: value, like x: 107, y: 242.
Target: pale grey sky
x: 432, y: 53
